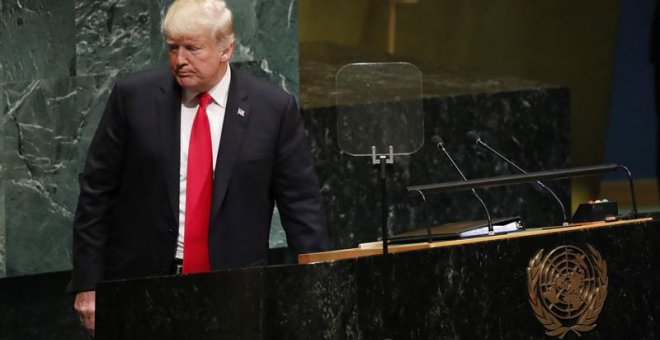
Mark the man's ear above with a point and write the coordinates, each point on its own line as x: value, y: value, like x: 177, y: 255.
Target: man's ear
x: 227, y: 52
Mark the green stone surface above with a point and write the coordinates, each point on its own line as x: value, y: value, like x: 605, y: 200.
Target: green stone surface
x: 37, y: 39
x: 3, y: 255
x: 47, y: 126
x: 267, y: 43
x: 111, y: 35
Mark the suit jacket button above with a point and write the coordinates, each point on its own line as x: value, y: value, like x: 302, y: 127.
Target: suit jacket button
x: 172, y: 231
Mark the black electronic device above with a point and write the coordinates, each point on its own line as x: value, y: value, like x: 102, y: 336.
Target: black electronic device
x: 595, y: 211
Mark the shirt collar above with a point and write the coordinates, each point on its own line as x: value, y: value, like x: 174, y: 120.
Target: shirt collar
x: 219, y: 92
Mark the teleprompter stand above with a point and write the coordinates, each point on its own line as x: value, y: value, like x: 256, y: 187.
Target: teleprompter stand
x: 379, y: 115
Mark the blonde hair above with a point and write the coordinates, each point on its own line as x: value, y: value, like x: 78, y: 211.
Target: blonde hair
x: 193, y: 17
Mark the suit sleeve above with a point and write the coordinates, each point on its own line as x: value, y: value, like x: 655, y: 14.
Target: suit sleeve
x: 296, y: 186
x: 99, y: 184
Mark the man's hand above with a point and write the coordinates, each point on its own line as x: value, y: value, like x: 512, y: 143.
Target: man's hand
x: 85, y: 305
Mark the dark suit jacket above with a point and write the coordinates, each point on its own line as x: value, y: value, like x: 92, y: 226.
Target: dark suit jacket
x: 126, y: 223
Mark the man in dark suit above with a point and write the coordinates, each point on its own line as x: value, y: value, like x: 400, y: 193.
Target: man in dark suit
x: 187, y: 163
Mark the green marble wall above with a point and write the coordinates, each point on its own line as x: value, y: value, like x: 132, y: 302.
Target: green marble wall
x: 58, y: 62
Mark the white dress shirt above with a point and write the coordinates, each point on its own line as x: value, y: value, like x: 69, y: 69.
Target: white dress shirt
x: 216, y: 113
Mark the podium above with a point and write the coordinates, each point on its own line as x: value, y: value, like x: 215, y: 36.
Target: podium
x: 593, y: 281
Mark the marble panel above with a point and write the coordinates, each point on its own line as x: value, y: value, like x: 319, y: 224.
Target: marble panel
x: 237, y: 317
x: 3, y: 224
x: 277, y: 237
x: 36, y: 307
x: 157, y: 9
x: 267, y: 43
x: 111, y: 36
x: 295, y: 294
x: 3, y: 229
x: 38, y: 40
x: 47, y: 126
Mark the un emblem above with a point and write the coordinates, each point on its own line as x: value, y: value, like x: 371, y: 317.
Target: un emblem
x: 567, y: 289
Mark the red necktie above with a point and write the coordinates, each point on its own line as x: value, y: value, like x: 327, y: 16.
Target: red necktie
x: 199, y: 185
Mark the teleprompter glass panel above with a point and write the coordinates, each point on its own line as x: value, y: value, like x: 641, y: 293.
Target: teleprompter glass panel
x: 379, y: 105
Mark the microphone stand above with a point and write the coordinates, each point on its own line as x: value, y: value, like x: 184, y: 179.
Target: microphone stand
x: 441, y: 146
x: 561, y: 205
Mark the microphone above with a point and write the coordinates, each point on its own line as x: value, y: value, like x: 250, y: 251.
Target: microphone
x: 473, y: 135
x: 441, y: 146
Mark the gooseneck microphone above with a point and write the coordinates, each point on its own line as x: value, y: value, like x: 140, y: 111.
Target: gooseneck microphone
x: 477, y: 139
x: 441, y: 146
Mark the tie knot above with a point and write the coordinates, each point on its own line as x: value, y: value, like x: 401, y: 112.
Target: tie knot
x: 204, y: 99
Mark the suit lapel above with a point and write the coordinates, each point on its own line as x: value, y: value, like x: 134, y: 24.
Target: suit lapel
x: 168, y: 111
x: 237, y: 115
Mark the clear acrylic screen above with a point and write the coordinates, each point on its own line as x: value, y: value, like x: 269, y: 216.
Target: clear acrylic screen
x: 379, y: 104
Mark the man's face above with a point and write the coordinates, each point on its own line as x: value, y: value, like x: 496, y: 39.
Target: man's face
x: 198, y: 62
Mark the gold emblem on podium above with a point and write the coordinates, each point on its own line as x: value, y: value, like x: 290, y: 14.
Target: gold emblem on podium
x: 567, y: 289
